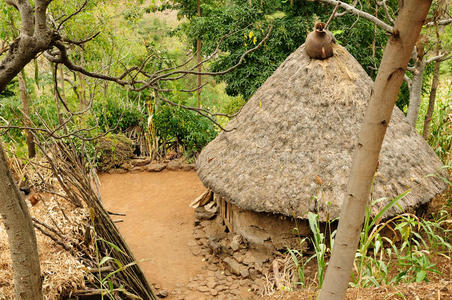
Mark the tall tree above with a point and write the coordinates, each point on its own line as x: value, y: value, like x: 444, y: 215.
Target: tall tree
x: 21, y: 236
x: 387, y: 84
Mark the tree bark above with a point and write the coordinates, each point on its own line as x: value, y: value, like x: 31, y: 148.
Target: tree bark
x: 387, y: 84
x: 26, y: 110
x: 416, y: 92
x: 431, y: 100
x: 21, y: 236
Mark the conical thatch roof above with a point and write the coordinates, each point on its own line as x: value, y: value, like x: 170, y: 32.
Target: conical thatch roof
x: 291, y: 149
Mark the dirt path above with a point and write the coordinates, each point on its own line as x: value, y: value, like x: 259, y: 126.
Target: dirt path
x: 159, y: 223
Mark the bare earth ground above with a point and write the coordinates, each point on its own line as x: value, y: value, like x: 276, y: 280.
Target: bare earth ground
x: 159, y: 222
x: 159, y: 227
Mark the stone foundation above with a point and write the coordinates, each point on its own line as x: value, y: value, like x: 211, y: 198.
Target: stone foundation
x: 272, y: 231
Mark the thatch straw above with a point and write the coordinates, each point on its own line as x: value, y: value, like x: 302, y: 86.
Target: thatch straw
x: 290, y: 150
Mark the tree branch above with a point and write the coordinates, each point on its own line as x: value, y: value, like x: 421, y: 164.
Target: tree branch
x: 355, y: 11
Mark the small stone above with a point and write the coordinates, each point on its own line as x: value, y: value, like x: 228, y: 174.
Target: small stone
x: 236, y: 241
x: 244, y: 272
x: 248, y: 259
x: 155, y: 167
x: 162, y: 294
x: 232, y: 265
x: 140, y: 162
x: 253, y: 273
x: 188, y: 167
x: 211, y: 284
x: 203, y: 289
x: 221, y: 287
x: 174, y: 165
x: 202, y: 214
x: 117, y: 171
x: 214, y: 245
x: 138, y: 169
x: 127, y: 166
x: 198, y: 233
x: 213, y: 292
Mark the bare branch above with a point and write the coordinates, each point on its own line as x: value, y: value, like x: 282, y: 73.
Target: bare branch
x: 71, y: 15
x: 408, y: 81
x: 386, y: 10
x: 440, y: 22
x: 80, y: 43
x: 242, y: 57
x: 351, y: 9
x: 332, y: 16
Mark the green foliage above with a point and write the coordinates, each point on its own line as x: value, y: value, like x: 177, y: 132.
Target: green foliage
x: 381, y: 260
x: 189, y: 129
x: 291, y: 25
x: 114, y: 113
x: 440, y: 138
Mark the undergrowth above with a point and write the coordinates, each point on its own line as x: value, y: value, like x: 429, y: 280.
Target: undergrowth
x: 401, y: 249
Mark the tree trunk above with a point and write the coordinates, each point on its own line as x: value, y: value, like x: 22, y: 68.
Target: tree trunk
x: 198, y: 54
x: 26, y: 110
x: 387, y: 84
x: 21, y: 236
x: 431, y: 100
x: 416, y: 92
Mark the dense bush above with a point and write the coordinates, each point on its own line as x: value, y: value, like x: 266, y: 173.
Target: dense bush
x: 187, y: 128
x: 107, y: 114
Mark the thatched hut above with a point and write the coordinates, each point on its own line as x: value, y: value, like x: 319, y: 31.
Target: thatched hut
x: 289, y: 150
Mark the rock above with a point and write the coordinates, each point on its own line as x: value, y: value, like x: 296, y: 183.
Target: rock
x: 195, y: 250
x: 244, y: 272
x: 155, y: 167
x: 188, y: 167
x: 127, y: 166
x: 248, y: 259
x: 213, y: 244
x: 213, y: 292
x: 221, y: 287
x: 253, y: 273
x: 236, y: 241
x: 212, y: 267
x: 140, y: 162
x: 162, y: 294
x: 203, y: 289
x: 202, y: 214
x: 239, y: 257
x: 211, y: 284
x: 174, y: 165
x: 138, y: 169
x: 117, y: 171
x: 232, y: 265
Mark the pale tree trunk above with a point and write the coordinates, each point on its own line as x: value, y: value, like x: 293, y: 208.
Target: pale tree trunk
x: 63, y: 91
x: 26, y: 110
x: 431, y: 100
x: 198, y: 54
x: 21, y: 236
x: 387, y: 84
x: 416, y: 92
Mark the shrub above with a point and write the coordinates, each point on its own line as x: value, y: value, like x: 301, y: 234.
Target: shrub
x: 187, y: 128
